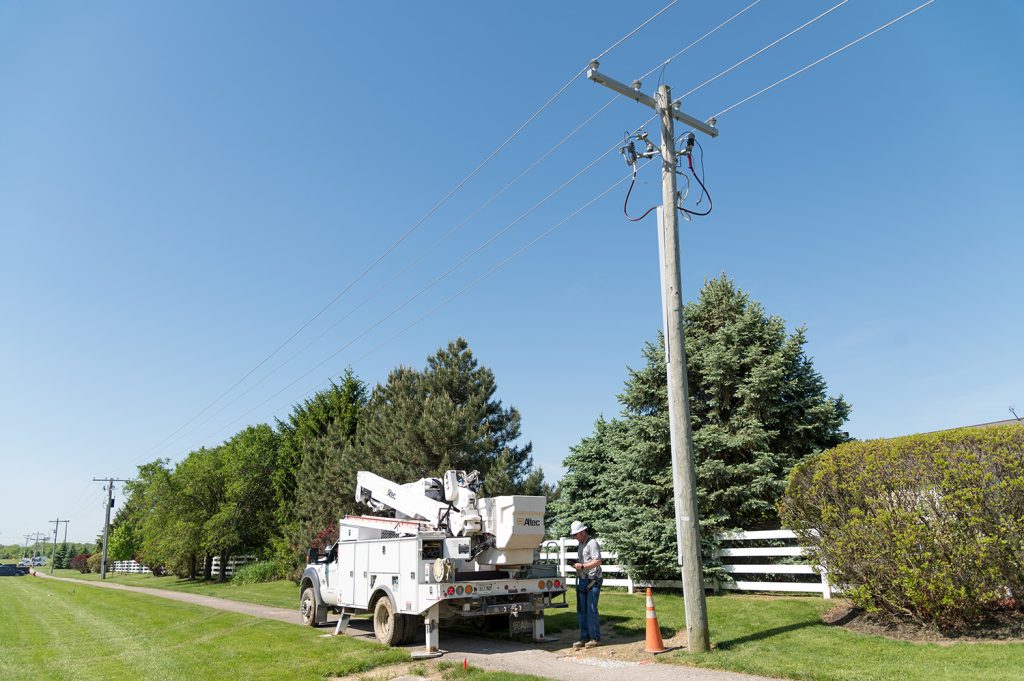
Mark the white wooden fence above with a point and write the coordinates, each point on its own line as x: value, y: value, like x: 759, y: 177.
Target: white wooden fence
x: 564, y: 552
x: 130, y: 567
x: 234, y: 562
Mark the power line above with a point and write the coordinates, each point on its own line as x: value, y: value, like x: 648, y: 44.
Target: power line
x: 827, y: 56
x: 426, y: 288
x: 411, y: 264
x: 473, y: 214
x: 501, y: 264
x: 458, y: 226
x: 441, y: 240
x: 448, y: 300
x: 632, y: 33
x: 698, y: 40
x: 763, y: 49
x: 412, y: 229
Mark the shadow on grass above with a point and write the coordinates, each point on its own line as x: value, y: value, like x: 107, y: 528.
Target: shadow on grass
x: 619, y: 627
x: 767, y: 633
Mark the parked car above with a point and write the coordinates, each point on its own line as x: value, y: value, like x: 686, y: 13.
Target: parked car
x: 38, y: 561
x: 25, y: 562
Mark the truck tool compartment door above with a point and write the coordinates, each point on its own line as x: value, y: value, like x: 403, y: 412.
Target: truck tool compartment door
x: 346, y: 576
x: 360, y: 575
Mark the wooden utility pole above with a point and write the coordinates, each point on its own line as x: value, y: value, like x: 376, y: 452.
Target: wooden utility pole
x: 53, y: 551
x: 684, y: 478
x: 106, y: 521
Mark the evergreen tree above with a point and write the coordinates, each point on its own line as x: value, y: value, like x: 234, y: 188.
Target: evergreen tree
x: 327, y: 476
x: 422, y: 423
x: 308, y: 422
x: 757, y: 407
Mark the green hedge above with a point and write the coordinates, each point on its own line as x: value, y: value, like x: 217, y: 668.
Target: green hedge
x: 929, y: 528
x: 262, y: 571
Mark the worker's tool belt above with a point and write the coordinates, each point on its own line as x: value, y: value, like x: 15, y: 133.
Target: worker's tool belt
x: 591, y: 583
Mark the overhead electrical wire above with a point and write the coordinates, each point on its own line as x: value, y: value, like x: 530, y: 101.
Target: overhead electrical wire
x: 416, y: 226
x: 764, y: 49
x: 704, y: 189
x: 448, y: 300
x: 700, y: 39
x: 818, y: 61
x: 404, y: 270
x: 632, y: 33
x: 490, y: 200
x: 523, y: 173
x: 699, y: 180
x: 435, y: 281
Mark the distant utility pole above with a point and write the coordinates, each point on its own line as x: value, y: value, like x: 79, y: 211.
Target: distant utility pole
x: 36, y: 538
x: 106, y: 521
x: 27, y: 537
x: 56, y: 526
x: 684, y: 478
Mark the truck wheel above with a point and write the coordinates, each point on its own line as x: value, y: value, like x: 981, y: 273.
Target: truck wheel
x: 386, y: 624
x: 307, y: 607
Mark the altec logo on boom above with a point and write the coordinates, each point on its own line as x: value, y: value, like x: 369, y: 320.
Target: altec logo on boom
x: 532, y: 522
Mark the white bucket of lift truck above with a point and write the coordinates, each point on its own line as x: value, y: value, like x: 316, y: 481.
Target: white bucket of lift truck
x: 517, y: 524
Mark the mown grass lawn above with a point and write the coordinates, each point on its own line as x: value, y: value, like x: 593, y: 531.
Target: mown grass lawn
x: 281, y: 594
x: 784, y: 637
x: 59, y: 630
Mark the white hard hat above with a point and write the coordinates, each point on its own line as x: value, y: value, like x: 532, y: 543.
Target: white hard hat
x: 577, y: 527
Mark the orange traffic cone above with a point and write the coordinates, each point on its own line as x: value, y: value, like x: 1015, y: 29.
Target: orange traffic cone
x: 654, y: 642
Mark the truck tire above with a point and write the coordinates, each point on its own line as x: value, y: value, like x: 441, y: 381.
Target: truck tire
x: 387, y: 626
x: 307, y: 607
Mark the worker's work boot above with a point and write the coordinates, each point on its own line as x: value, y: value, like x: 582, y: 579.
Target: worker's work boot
x: 579, y: 644
x: 591, y: 644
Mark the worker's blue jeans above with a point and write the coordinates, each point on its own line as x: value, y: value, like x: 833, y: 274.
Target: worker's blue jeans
x: 586, y: 610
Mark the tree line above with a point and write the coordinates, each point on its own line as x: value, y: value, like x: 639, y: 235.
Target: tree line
x: 273, y: 491
x: 62, y: 554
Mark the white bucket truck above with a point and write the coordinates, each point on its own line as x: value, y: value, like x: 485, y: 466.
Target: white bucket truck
x: 445, y: 555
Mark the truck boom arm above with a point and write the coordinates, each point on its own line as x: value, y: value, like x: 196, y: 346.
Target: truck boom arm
x: 449, y: 505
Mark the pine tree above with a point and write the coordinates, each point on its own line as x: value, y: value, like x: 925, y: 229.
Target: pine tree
x: 327, y: 476
x: 422, y: 423
x: 308, y: 422
x: 757, y: 407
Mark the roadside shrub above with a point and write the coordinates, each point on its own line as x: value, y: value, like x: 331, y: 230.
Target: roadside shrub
x: 93, y: 562
x: 262, y: 571
x: 929, y: 528
x: 80, y: 563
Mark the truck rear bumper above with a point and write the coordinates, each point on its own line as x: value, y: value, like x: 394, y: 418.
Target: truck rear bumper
x: 487, y: 606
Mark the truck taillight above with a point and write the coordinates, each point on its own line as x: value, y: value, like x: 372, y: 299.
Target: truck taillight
x: 451, y: 591
x: 549, y: 585
x: 558, y: 584
x: 459, y: 590
x: 469, y: 589
x: 540, y: 584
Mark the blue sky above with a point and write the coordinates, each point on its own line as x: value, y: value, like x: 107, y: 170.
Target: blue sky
x: 182, y: 186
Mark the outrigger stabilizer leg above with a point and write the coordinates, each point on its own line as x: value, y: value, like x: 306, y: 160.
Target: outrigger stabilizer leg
x: 343, y: 620
x: 431, y: 627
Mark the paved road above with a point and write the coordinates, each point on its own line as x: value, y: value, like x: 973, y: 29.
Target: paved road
x: 551, y: 661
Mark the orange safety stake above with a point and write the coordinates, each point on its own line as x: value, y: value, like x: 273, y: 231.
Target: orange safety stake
x: 654, y: 642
